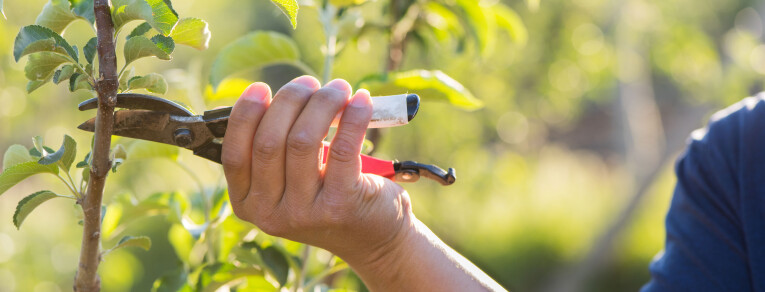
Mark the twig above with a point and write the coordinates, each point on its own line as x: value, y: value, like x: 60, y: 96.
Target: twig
x: 87, y: 278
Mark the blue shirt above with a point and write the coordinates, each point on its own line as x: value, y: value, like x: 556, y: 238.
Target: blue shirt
x: 716, y: 221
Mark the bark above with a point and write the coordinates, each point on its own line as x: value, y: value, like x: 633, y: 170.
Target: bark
x: 106, y: 85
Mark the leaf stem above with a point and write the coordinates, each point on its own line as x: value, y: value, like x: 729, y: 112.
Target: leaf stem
x: 74, y: 185
x: 70, y: 187
x: 327, y: 19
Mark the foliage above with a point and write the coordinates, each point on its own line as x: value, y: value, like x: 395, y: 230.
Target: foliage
x: 205, y: 249
x: 536, y: 184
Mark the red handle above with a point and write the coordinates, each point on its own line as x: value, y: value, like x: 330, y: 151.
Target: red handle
x: 369, y: 164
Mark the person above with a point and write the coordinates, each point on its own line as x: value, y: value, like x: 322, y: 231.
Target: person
x: 271, y: 159
x: 716, y: 222
x: 715, y: 225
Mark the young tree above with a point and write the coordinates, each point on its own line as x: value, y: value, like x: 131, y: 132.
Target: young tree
x: 221, y: 251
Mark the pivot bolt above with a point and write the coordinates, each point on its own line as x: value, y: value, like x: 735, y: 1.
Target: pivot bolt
x: 183, y: 137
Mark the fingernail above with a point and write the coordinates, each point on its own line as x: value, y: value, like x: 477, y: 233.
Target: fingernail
x: 307, y: 81
x: 258, y: 92
x: 340, y: 84
x: 360, y: 100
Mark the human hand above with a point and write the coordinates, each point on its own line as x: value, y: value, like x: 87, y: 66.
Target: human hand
x: 272, y: 161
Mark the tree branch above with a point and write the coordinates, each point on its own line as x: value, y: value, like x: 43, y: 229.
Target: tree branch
x: 106, y: 86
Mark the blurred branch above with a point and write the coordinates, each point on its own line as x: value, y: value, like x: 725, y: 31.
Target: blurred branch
x: 645, y: 148
x: 87, y: 278
x: 399, y: 33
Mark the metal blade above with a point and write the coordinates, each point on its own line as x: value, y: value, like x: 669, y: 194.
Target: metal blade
x: 159, y: 127
x: 141, y: 102
x: 139, y: 124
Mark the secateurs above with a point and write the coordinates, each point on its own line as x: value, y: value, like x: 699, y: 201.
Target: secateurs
x: 156, y: 119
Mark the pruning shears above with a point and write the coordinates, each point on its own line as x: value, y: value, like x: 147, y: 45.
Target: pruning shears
x: 160, y: 120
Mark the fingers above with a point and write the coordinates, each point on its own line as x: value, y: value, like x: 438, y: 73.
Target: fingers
x: 304, y: 143
x: 343, y: 163
x: 237, y: 145
x: 268, y: 150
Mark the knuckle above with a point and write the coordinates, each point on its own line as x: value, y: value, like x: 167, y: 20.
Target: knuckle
x: 301, y: 143
x: 331, y: 95
x: 343, y: 150
x: 354, y: 124
x: 230, y: 161
x: 294, y: 92
x: 265, y: 149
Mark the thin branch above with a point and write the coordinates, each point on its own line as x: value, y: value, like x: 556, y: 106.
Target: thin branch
x: 87, y: 278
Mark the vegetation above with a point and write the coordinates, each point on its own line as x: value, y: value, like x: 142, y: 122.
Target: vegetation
x: 556, y: 115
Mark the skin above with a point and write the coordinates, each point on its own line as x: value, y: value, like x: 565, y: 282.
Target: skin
x: 271, y: 158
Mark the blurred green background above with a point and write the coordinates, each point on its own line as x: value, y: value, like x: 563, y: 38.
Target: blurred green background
x: 564, y: 177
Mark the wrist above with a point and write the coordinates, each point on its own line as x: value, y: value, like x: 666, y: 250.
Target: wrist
x: 383, y: 264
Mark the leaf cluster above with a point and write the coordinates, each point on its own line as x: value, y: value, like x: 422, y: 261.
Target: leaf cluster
x: 53, y: 58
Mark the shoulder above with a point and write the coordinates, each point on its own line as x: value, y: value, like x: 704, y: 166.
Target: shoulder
x: 742, y: 118
x: 730, y: 134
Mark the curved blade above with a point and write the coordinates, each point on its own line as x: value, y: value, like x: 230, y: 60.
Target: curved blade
x: 139, y: 124
x: 141, y: 102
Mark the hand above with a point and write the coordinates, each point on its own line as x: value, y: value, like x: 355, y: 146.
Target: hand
x: 272, y: 160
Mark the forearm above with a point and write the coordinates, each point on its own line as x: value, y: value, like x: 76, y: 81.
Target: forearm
x: 420, y: 261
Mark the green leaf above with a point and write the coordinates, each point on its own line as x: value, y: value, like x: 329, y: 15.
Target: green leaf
x: 90, y: 50
x: 430, y: 85
x: 16, y: 154
x: 118, y: 156
x: 125, y: 77
x: 79, y: 81
x: 84, y: 9
x: 33, y: 33
x: 152, y: 82
x: 229, y: 88
x: 477, y: 19
x: 138, y: 241
x: 85, y: 161
x: 511, y: 23
x: 28, y: 204
x: 253, y: 51
x: 158, y: 13
x: 56, y: 15
x: 289, y: 8
x: 111, y: 219
x: 445, y: 23
x: 45, y: 45
x: 33, y: 85
x: 192, y: 32
x: 42, y: 65
x: 343, y: 3
x: 173, y: 204
x: 39, y: 144
x: 139, y: 47
x: 181, y: 240
x: 165, y: 43
x: 64, y: 155
x: 62, y: 74
x: 216, y: 275
x: 141, y: 29
x: 17, y: 173
x: 175, y: 281
x: 276, y: 262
